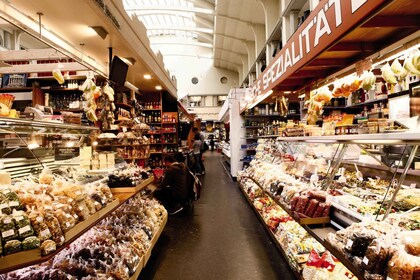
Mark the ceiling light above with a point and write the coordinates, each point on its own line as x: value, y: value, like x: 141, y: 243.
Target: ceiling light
x: 147, y: 76
x: 158, y: 87
x: 100, y: 31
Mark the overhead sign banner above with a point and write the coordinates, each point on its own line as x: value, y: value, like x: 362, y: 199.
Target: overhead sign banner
x: 327, y: 23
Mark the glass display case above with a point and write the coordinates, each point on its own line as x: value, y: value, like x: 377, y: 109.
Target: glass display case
x: 348, y: 193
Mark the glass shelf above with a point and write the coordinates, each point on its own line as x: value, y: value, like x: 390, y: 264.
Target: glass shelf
x: 22, y: 126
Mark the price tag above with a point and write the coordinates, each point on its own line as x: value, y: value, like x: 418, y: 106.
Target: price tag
x: 76, y: 217
x: 80, y: 208
x: 6, y: 191
x: 8, y: 233
x: 39, y: 219
x: 47, y: 207
x: 13, y: 203
x: 124, y: 129
x: 24, y: 229
x: 68, y: 216
x: 45, y: 232
x: 19, y: 218
x: 70, y: 200
x: 68, y: 224
x: 78, y: 192
x: 7, y: 221
x: 349, y: 243
x: 365, y: 260
x: 4, y: 205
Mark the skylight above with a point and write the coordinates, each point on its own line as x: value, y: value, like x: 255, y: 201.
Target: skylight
x: 168, y: 18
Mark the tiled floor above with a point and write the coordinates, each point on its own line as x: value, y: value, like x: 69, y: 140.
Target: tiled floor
x: 222, y: 239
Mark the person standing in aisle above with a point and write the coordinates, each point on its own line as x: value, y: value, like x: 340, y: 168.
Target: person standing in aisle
x: 202, y: 150
x: 197, y: 155
x: 212, y: 143
x: 173, y: 190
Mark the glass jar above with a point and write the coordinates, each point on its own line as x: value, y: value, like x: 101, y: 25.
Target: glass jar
x: 372, y: 127
x: 363, y: 127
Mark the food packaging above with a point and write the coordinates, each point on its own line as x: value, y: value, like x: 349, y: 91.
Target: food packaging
x: 12, y: 246
x: 55, y: 229
x: 23, y: 225
x: 301, y: 204
x: 7, y: 228
x: 30, y: 243
x: 40, y: 227
x: 312, y: 206
x: 47, y: 247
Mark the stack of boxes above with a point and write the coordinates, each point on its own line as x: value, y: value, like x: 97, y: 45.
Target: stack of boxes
x: 96, y: 161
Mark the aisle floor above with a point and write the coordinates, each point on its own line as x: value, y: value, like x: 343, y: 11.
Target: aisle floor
x: 221, y: 239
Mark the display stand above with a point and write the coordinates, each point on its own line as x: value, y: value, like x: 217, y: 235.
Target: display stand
x: 145, y: 258
x: 273, y: 237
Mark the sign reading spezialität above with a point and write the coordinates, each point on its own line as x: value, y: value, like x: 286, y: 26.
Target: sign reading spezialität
x: 327, y: 23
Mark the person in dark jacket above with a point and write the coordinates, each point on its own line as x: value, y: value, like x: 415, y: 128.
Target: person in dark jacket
x: 173, y: 190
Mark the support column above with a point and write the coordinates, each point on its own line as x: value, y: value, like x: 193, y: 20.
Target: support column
x: 293, y: 22
x: 259, y: 35
x: 285, y: 30
x: 313, y: 4
x: 250, y: 46
x: 245, y: 66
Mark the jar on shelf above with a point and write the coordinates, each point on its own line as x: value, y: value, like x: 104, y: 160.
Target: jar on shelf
x: 363, y: 127
x: 372, y: 127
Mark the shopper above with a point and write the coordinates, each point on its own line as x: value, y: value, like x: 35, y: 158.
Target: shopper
x: 197, y: 155
x: 212, y: 144
x: 173, y: 190
x: 202, y: 150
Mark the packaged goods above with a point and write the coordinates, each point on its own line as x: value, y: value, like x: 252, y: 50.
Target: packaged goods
x: 66, y: 220
x: 40, y: 227
x: 22, y: 224
x: 55, y: 229
x: 310, y: 209
x: 47, y: 247
x: 30, y: 243
x: 81, y: 210
x: 376, y: 257
x: 12, y: 246
x: 7, y: 228
x: 301, y: 204
x: 319, y: 210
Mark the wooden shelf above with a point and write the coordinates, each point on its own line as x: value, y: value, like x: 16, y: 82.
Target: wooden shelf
x: 69, y: 110
x: 152, y: 109
x: 148, y: 254
x: 22, y: 89
x: 119, y: 145
x: 133, y: 190
x: 52, y: 89
x: 123, y: 105
x: 27, y: 258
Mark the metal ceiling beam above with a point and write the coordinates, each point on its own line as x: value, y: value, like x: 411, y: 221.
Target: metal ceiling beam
x: 182, y: 28
x: 157, y: 9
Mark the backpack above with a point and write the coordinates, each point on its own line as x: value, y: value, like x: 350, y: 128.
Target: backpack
x: 194, y: 186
